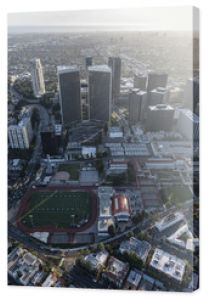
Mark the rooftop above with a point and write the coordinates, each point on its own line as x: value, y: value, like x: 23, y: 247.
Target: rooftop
x: 159, y: 107
x: 67, y: 69
x: 29, y: 259
x: 105, y: 194
x: 168, y: 264
x: 99, y: 68
x: 97, y: 259
x: 169, y: 221
x: 140, y: 248
x: 169, y: 148
x: 160, y: 90
x: 120, y: 205
x: 189, y: 114
x: 115, y: 132
x: 116, y: 269
x: 134, y: 278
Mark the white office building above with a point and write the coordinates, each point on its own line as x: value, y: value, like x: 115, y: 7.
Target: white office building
x: 20, y: 135
x: 38, y: 83
x: 188, y: 124
x: 168, y: 264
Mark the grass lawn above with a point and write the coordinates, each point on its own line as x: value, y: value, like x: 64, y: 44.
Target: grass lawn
x: 58, y: 209
x: 176, y: 194
x: 72, y: 169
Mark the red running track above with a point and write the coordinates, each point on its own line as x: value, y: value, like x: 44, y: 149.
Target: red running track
x: 25, y: 206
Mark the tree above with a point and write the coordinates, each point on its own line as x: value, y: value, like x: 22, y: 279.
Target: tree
x: 130, y: 234
x: 133, y: 260
x: 24, y: 87
x: 111, y: 230
x: 100, y: 247
x: 142, y: 236
x: 137, y: 218
x: 109, y: 248
x: 84, y: 251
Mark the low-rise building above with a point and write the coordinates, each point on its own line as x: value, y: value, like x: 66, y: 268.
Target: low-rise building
x: 133, y: 280
x: 50, y: 280
x: 20, y: 135
x: 176, y: 149
x: 135, y: 201
x: 116, y: 271
x: 73, y: 150
x: 97, y: 260
x: 121, y: 207
x: 88, y: 176
x: 133, y: 245
x: 38, y: 278
x: 116, y: 149
x: 163, y: 164
x: 115, y: 132
x: 147, y: 283
x: 88, y: 152
x: 183, y: 238
x: 42, y: 236
x: 105, y: 218
x: 117, y: 167
x: 15, y: 167
x: 169, y: 221
x: 22, y: 265
x: 168, y: 264
x: 136, y: 150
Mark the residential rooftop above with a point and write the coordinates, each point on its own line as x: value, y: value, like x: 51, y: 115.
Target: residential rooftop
x: 169, y: 221
x: 140, y: 248
x: 168, y: 264
x: 97, y: 260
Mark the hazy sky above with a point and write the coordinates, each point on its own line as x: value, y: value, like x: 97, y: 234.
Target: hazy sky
x: 144, y: 18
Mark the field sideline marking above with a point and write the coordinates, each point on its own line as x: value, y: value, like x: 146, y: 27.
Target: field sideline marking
x: 36, y: 206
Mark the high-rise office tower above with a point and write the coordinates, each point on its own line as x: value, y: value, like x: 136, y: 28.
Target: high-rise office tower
x: 140, y: 81
x: 20, y: 135
x: 158, y: 96
x: 159, y: 117
x: 137, y: 105
x: 51, y: 139
x: 115, y: 65
x: 100, y: 92
x: 38, y: 83
x: 69, y: 94
x: 156, y: 79
x: 188, y: 125
x: 191, y: 94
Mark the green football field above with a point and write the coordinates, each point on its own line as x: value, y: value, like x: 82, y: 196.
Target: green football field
x: 57, y: 209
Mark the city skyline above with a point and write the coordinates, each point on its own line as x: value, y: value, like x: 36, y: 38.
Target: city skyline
x: 155, y: 18
x: 103, y: 155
